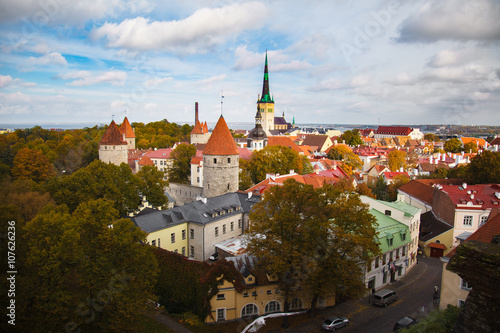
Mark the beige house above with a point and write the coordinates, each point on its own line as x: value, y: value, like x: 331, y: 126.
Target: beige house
x: 262, y: 295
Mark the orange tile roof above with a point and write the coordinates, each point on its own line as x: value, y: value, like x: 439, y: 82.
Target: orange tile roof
x: 112, y: 136
x: 221, y: 141
x: 480, y: 142
x: 145, y: 160
x: 127, y: 129
x: 198, y: 128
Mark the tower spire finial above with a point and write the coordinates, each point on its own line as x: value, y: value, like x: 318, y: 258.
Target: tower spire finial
x: 266, y: 96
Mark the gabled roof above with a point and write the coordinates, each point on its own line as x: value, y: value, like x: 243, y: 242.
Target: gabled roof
x: 495, y: 142
x: 423, y: 189
x: 198, y: 129
x: 315, y: 140
x: 479, y: 142
x: 283, y: 141
x: 480, y: 196
x: 112, y: 136
x: 393, y: 130
x: 126, y: 129
x: 431, y: 226
x: 221, y: 141
x: 145, y: 160
x: 378, y: 168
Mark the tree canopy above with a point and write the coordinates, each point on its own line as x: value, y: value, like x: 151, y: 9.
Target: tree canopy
x: 313, y: 239
x: 180, y: 170
x: 396, y: 160
x: 32, y: 164
x: 453, y: 145
x: 343, y: 153
x: 352, y: 138
x: 484, y: 168
x: 276, y: 159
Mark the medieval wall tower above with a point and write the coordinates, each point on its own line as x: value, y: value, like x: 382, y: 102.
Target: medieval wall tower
x: 113, y: 148
x: 128, y: 131
x: 220, y: 162
x: 199, y: 133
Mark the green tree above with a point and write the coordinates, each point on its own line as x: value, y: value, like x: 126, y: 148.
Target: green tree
x: 470, y: 147
x: 81, y: 273
x: 32, y: 164
x: 244, y: 178
x: 275, y: 159
x: 343, y: 153
x: 299, y: 234
x: 392, y: 189
x: 453, y: 145
x: 180, y: 170
x: 153, y: 185
x: 352, y: 138
x: 396, y: 160
x: 379, y: 188
x: 431, y: 137
x: 484, y: 168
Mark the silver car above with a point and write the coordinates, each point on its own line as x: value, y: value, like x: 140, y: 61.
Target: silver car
x: 332, y: 323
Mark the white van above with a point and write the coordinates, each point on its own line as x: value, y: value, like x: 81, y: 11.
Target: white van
x: 384, y: 297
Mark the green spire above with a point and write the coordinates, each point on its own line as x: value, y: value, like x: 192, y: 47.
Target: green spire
x: 266, y: 96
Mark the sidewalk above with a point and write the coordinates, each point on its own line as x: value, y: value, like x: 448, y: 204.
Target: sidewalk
x: 347, y: 308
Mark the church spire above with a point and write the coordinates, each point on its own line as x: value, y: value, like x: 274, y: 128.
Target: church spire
x: 266, y: 96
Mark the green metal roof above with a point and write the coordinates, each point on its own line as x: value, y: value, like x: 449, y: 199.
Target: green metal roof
x: 389, y: 228
x: 404, y: 207
x: 266, y: 95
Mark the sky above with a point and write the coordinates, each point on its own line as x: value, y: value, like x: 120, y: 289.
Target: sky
x: 330, y: 61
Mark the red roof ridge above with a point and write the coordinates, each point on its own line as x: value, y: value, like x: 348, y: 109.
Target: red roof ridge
x: 127, y: 129
x: 221, y: 141
x: 112, y: 136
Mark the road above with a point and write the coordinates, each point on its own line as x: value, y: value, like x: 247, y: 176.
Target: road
x: 415, y: 300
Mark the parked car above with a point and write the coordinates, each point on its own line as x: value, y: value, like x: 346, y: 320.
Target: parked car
x: 332, y: 323
x: 403, y: 323
x: 214, y: 256
x: 384, y: 297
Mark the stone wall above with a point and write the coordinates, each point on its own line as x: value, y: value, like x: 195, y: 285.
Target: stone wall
x: 220, y: 174
x: 113, y: 154
x: 183, y: 193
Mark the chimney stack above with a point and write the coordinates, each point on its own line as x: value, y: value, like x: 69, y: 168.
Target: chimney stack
x: 195, y: 113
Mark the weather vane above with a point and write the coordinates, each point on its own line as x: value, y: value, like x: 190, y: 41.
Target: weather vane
x: 221, y: 101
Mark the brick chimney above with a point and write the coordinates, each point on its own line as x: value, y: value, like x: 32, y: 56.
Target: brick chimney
x: 195, y: 113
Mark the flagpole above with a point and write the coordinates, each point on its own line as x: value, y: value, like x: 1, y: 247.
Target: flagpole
x: 221, y: 101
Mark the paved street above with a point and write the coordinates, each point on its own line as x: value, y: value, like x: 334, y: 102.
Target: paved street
x: 415, y: 300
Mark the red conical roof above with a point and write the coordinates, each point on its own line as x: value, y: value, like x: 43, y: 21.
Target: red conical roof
x: 198, y: 128
x: 127, y: 129
x: 112, y: 136
x: 221, y: 141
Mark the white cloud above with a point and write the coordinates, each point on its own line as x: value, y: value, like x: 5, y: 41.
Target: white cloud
x: 294, y: 65
x: 400, y: 79
x: 15, y: 98
x: 85, y: 78
x: 117, y: 104
x: 53, y: 58
x: 453, y: 20
x: 157, y: 81
x: 451, y: 57
x: 150, y: 106
x: 202, y: 30
x: 5, y: 80
x: 329, y: 84
x: 360, y: 81
x: 464, y: 74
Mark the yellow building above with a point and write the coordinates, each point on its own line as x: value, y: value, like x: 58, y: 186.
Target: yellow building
x: 261, y: 297
x: 172, y: 238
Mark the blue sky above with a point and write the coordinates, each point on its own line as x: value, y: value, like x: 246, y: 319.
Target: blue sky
x: 330, y: 61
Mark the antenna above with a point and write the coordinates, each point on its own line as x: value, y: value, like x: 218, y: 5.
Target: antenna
x: 221, y: 101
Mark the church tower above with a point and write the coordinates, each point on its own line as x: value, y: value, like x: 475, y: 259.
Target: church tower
x: 220, y: 162
x: 257, y: 138
x: 266, y: 104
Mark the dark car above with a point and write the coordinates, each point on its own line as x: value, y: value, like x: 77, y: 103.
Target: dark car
x: 332, y: 323
x: 403, y: 323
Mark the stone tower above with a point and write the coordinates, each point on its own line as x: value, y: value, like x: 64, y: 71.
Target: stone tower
x: 266, y: 104
x: 113, y: 147
x: 257, y: 138
x: 128, y: 131
x: 200, y: 133
x: 220, y: 162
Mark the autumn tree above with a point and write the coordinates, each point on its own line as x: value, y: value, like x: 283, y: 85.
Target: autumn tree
x: 352, y: 138
x: 180, y: 170
x: 32, y: 164
x: 470, y: 147
x: 392, y: 188
x: 453, y: 145
x: 396, y: 160
x: 153, y: 185
x: 302, y: 234
x: 379, y: 188
x: 345, y: 154
x: 276, y: 159
x: 245, y: 179
x: 431, y: 137
x: 484, y: 168
x: 81, y: 273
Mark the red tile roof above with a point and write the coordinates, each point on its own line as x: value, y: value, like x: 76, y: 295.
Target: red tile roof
x: 221, y: 141
x: 283, y: 141
x: 423, y: 189
x: 127, y: 129
x: 198, y: 128
x: 145, y: 160
x: 480, y: 196
x: 112, y: 136
x: 160, y: 153
x: 392, y: 175
x: 393, y: 130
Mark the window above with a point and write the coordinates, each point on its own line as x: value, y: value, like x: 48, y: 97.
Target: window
x: 191, y: 233
x: 184, y: 251
x: 296, y: 303
x: 468, y: 220
x: 158, y: 242
x: 484, y: 219
x: 254, y: 293
x: 176, y: 251
x: 403, y: 251
x: 215, y: 161
x: 388, y: 212
x: 172, y: 238
x: 461, y: 303
x: 232, y: 226
x: 272, y: 307
x: 384, y: 280
x: 249, y: 310
x: 183, y: 234
x: 250, y: 279
x: 192, y: 251
x: 464, y: 285
x: 239, y: 224
x: 245, y: 294
x: 153, y: 242
x: 216, y: 231
x: 269, y: 292
x: 221, y: 297
x: 397, y: 253
x: 377, y: 262
x: 385, y: 259
x: 229, y: 160
x: 403, y: 237
x: 221, y: 314
x: 391, y: 241
x: 224, y: 229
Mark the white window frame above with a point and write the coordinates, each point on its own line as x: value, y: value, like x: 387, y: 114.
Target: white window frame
x: 253, y: 306
x: 464, y: 285
x: 276, y: 307
x: 468, y: 220
x: 223, y: 311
